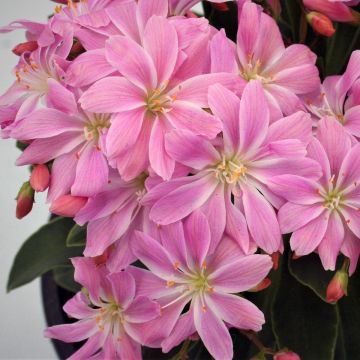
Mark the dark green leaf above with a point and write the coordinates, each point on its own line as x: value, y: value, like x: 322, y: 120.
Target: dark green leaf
x: 76, y: 236
x: 303, y: 322
x: 292, y: 15
x: 64, y: 277
x: 309, y: 272
x: 340, y: 46
x: 44, y: 250
x: 349, y: 312
x: 21, y: 146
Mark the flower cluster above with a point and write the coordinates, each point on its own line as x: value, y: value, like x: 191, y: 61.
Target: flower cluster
x: 184, y: 151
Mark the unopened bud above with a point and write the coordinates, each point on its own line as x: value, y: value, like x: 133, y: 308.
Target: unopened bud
x: 24, y: 47
x: 220, y: 6
x: 286, y: 355
x: 40, y: 178
x: 67, y: 205
x: 320, y: 23
x: 275, y: 259
x: 337, y: 287
x: 261, y: 286
x: 25, y: 200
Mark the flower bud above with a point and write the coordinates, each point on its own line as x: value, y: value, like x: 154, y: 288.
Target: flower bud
x: 337, y: 287
x: 25, y: 200
x: 220, y: 6
x: 320, y: 23
x: 275, y: 259
x: 286, y: 355
x: 24, y: 47
x: 67, y: 205
x: 40, y: 178
x: 265, y: 283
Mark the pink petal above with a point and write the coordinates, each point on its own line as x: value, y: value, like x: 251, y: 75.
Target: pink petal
x: 215, y: 211
x: 137, y: 66
x: 88, y: 68
x: 191, y: 150
x: 241, y: 274
x: 184, y: 200
x: 186, y: 116
x: 261, y: 220
x: 92, y: 172
x: 254, y: 117
x: 182, y: 330
x: 330, y: 245
x: 335, y: 141
x: 60, y: 98
x: 149, y: 8
x: 296, y: 189
x: 294, y: 216
x: 62, y: 176
x: 212, y: 331
x: 45, y: 123
x: 305, y: 240
x: 236, y: 226
x: 317, y: 152
x: 197, y: 235
x: 112, y: 94
x: 78, y: 307
x: 225, y: 105
x: 351, y: 249
x: 236, y: 311
x: 128, y: 349
x: 142, y: 309
x: 153, y: 255
x: 349, y: 174
x: 223, y: 54
x: 352, y: 122
x: 124, y: 131
x: 352, y: 219
x: 296, y: 126
x: 161, y: 42
x: 195, y: 89
x: 41, y: 151
x: 160, y: 161
x: 123, y: 288
x: 92, y: 345
x: 77, y: 331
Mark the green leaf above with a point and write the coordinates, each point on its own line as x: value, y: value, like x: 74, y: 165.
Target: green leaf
x: 349, y: 313
x: 340, y: 47
x: 76, y: 236
x: 44, y: 250
x: 309, y: 272
x: 292, y: 15
x: 21, y: 146
x: 303, y: 322
x: 64, y: 277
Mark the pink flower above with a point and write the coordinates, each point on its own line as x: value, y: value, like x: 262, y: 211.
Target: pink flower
x: 37, y: 73
x: 260, y: 54
x: 106, y: 316
x: 180, y: 7
x: 337, y: 10
x: 337, y: 287
x: 183, y: 271
x: 324, y: 215
x: 71, y: 136
x: 40, y: 177
x: 149, y: 100
x: 239, y: 164
x: 339, y: 97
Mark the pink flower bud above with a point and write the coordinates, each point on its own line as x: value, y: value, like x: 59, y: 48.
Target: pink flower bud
x: 337, y: 287
x: 286, y: 355
x: 40, y: 178
x: 320, y: 23
x: 67, y: 205
x: 25, y: 200
x: 23, y: 47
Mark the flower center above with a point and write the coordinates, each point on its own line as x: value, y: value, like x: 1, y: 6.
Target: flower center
x: 332, y: 200
x: 253, y: 72
x: 95, y: 126
x: 109, y: 316
x: 158, y: 101
x: 230, y: 171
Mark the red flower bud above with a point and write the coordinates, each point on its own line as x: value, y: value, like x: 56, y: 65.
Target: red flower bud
x: 320, y: 23
x: 67, y: 205
x: 25, y: 200
x: 23, y: 47
x: 221, y: 6
x: 40, y: 178
x: 261, y: 286
x: 337, y: 287
x: 275, y: 258
x: 286, y: 355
